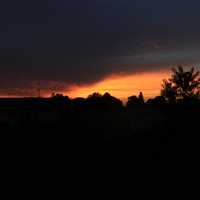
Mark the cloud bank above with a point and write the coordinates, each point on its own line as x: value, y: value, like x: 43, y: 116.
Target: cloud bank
x: 53, y: 45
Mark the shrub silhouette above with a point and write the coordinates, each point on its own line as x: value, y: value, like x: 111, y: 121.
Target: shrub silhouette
x: 182, y: 85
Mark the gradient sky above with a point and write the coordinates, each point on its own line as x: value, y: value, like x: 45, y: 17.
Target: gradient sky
x: 65, y: 44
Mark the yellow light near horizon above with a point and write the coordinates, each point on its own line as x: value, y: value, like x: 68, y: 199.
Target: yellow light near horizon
x: 122, y: 86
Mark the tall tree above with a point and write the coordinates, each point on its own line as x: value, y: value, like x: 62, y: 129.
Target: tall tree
x: 183, y: 84
x: 141, y: 98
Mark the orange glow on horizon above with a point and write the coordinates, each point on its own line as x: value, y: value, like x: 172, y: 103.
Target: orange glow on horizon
x: 124, y: 86
x: 121, y: 86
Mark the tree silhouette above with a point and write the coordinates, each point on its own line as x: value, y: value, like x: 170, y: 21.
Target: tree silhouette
x: 182, y: 85
x: 134, y: 100
x: 159, y: 100
x: 95, y: 95
x: 141, y: 98
x: 103, y: 101
x: 111, y: 101
x: 168, y: 91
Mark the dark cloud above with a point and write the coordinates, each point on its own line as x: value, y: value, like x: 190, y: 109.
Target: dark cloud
x: 79, y: 42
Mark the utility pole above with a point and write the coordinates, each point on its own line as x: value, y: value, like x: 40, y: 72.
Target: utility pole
x: 39, y: 89
x: 39, y: 92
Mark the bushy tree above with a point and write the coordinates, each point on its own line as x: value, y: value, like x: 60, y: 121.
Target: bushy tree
x: 168, y: 91
x: 183, y: 84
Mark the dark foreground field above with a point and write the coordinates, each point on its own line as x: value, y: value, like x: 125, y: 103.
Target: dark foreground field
x: 61, y: 129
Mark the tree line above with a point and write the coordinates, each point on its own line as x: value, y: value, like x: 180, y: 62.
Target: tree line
x: 182, y: 87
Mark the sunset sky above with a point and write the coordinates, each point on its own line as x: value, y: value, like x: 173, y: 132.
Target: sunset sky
x: 82, y: 46
x: 123, y: 86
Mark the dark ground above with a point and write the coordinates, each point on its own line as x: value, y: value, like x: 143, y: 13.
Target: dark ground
x: 52, y: 128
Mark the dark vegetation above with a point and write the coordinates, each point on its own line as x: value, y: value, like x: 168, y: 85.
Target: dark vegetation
x: 163, y: 128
